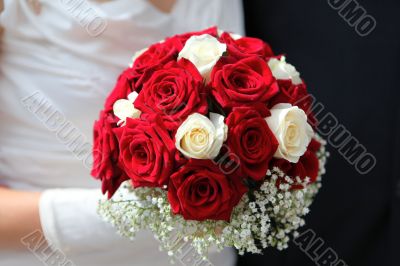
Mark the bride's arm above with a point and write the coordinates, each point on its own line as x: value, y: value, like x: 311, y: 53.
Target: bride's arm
x: 1, y: 10
x: 19, y: 216
x: 19, y: 211
x: 67, y: 218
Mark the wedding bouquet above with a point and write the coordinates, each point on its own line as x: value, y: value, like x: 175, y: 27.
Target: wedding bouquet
x: 212, y: 136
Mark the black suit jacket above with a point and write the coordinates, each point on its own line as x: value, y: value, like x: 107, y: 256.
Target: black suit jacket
x: 357, y: 80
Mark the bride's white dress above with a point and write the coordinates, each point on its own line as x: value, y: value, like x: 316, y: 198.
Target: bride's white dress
x: 59, y: 58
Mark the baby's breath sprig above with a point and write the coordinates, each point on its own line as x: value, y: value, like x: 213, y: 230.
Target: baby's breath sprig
x: 269, y: 218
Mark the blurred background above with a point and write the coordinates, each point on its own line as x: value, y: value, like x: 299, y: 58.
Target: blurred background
x: 356, y: 79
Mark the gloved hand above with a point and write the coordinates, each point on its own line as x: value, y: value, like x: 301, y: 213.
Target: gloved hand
x: 71, y: 224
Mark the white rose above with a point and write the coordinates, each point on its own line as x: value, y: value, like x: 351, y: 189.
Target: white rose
x: 136, y: 55
x: 233, y: 35
x: 282, y: 70
x: 201, y: 138
x: 123, y: 108
x: 203, y: 51
x: 291, y: 129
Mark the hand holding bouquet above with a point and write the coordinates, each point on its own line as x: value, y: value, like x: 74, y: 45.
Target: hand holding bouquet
x: 214, y: 136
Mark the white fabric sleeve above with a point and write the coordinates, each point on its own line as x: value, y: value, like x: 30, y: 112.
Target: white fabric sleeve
x: 71, y: 224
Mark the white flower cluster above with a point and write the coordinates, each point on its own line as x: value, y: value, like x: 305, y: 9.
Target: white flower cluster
x: 266, y: 217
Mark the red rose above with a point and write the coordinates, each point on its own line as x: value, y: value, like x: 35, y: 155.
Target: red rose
x: 246, y: 46
x: 173, y: 92
x: 155, y: 56
x: 124, y: 86
x: 105, y: 155
x: 295, y: 95
x: 160, y: 54
x: 307, y: 166
x: 251, y: 143
x: 314, y: 146
x: 147, y: 152
x: 200, y: 191
x: 242, y: 82
x: 180, y: 39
